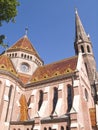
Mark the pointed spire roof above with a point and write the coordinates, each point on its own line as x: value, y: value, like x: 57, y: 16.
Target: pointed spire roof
x: 80, y: 31
x: 25, y: 45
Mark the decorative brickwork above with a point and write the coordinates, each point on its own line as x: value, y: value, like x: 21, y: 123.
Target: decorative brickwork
x: 23, y: 108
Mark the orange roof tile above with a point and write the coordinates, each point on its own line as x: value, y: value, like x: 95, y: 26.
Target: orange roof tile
x: 52, y: 70
x: 25, y: 45
x: 23, y: 77
x: 6, y: 64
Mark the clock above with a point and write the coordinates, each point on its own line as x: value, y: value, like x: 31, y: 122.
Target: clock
x: 24, y: 67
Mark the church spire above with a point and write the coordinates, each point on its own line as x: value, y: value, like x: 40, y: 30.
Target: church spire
x: 82, y: 43
x: 80, y: 34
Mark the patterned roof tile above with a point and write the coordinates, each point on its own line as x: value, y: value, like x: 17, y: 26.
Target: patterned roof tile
x: 25, y: 45
x: 6, y: 64
x: 55, y: 69
x: 23, y: 77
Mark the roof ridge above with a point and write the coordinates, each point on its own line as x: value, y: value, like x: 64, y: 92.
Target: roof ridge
x: 65, y: 59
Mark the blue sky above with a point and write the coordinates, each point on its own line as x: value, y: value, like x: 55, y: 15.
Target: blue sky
x: 51, y: 25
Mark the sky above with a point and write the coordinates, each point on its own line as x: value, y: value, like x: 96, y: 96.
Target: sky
x: 51, y: 26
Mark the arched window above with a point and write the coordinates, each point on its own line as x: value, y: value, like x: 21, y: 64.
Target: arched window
x: 62, y: 128
x: 50, y: 128
x: 86, y: 94
x: 12, y: 54
x: 45, y: 128
x: 40, y: 99
x: 86, y: 68
x: 30, y: 57
x: 69, y: 96
x: 22, y: 55
x: 15, y: 54
x: 9, y: 97
x: 88, y: 48
x: 25, y: 56
x: 82, y: 48
x: 55, y: 98
x: 67, y: 128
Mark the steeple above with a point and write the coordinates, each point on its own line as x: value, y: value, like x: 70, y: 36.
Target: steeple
x: 82, y: 43
x: 80, y: 34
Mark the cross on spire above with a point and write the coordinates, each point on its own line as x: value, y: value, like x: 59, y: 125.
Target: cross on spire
x: 26, y: 31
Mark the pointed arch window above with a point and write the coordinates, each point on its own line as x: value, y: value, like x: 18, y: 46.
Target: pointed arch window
x: 88, y: 49
x: 55, y: 98
x: 40, y: 99
x: 9, y: 97
x: 86, y: 68
x: 50, y: 128
x: 45, y: 128
x: 86, y: 94
x: 69, y: 96
x: 62, y: 128
x: 82, y: 48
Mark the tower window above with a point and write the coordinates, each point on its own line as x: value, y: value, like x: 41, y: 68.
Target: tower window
x: 25, y: 56
x: 82, y: 48
x: 86, y: 68
x: 88, y: 48
x: 22, y: 55
x: 15, y: 54
x: 30, y: 57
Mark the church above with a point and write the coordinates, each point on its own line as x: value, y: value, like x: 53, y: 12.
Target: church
x: 62, y: 95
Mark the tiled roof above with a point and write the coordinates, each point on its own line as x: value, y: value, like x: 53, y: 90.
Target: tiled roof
x: 23, y: 77
x: 6, y: 64
x: 45, y: 72
x: 55, y: 69
x: 25, y: 45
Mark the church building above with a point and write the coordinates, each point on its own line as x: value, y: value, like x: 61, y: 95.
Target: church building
x: 62, y: 95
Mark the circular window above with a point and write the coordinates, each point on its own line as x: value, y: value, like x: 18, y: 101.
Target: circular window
x: 25, y: 67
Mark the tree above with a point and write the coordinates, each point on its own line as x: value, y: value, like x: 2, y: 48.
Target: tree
x: 8, y: 11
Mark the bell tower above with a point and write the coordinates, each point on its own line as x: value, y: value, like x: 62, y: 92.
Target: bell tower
x: 83, y: 43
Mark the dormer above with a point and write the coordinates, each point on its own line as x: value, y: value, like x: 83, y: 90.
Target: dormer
x: 24, y: 57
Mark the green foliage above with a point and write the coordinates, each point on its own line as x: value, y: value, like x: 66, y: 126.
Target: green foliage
x: 8, y: 11
x: 2, y: 37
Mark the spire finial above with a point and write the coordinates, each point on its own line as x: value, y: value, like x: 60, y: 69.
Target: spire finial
x: 76, y: 11
x: 26, y: 31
